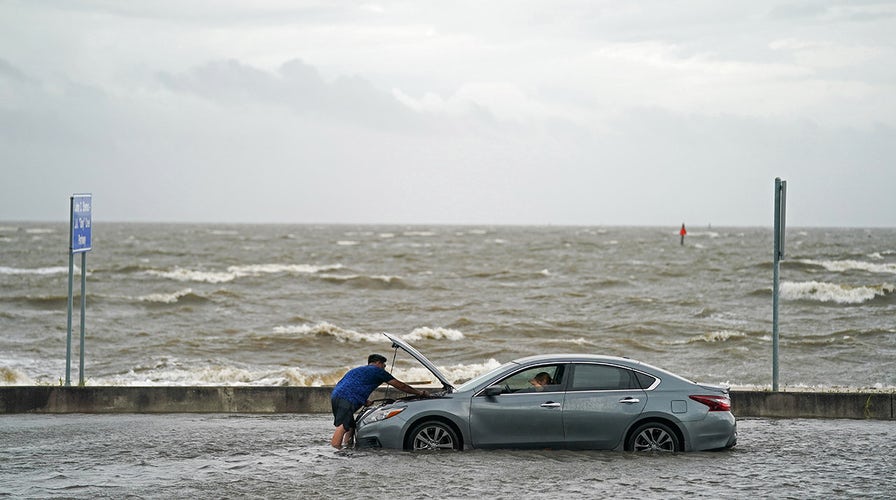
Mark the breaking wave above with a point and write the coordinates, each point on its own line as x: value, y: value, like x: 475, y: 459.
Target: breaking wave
x: 11, y: 376
x: 717, y: 336
x: 328, y: 330
x: 433, y: 333
x: 180, y: 274
x: 456, y: 374
x: 367, y: 282
x: 342, y: 335
x: 39, y: 270
x: 168, y: 298
x: 832, y: 292
x: 234, y: 272
x: 294, y: 376
x: 172, y: 372
x: 852, y: 265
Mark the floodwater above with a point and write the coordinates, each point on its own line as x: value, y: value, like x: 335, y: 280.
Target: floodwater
x: 287, y: 456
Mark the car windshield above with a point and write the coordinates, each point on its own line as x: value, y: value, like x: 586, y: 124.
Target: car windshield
x: 470, y: 384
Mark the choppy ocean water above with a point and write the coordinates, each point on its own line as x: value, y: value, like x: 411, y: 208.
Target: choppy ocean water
x: 211, y: 304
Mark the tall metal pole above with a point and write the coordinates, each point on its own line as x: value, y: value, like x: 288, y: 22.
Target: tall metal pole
x: 775, y: 330
x: 71, y: 272
x: 780, y: 203
x: 68, y: 337
x: 83, y: 313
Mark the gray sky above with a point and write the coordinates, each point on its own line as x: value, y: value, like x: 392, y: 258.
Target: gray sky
x: 499, y: 112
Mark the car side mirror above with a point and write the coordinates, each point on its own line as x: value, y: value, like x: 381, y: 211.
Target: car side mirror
x: 495, y: 390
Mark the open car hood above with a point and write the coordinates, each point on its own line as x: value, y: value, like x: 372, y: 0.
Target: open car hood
x: 399, y: 343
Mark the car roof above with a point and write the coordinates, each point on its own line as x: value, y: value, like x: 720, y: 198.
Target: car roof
x: 597, y: 358
x: 567, y: 358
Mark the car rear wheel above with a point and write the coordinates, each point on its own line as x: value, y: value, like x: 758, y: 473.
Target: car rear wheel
x: 653, y: 436
x: 432, y: 435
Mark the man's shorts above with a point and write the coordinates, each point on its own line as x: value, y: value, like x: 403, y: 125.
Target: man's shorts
x: 344, y: 413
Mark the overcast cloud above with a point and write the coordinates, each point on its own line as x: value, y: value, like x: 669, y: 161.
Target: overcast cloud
x: 499, y: 112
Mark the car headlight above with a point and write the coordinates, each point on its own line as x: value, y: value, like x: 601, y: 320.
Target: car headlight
x: 381, y: 414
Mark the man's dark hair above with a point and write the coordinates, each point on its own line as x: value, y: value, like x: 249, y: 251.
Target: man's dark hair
x: 376, y: 358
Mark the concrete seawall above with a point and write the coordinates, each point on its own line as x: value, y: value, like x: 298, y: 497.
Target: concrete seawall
x: 226, y: 399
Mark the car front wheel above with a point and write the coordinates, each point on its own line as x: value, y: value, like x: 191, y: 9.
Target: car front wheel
x: 432, y: 435
x: 653, y: 436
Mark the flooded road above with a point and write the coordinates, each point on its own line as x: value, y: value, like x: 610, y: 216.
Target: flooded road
x: 287, y: 456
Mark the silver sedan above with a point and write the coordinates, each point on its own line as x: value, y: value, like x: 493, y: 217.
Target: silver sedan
x: 572, y: 401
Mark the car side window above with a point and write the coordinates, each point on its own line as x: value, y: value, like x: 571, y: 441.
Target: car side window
x: 547, y: 378
x: 595, y: 377
x: 645, y: 380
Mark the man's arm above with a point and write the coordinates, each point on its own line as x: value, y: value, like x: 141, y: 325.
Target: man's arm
x: 401, y: 386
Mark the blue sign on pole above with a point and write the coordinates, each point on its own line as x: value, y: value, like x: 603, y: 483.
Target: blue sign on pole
x: 81, y: 222
x: 79, y: 242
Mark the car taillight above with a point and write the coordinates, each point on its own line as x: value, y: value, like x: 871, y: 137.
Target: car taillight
x: 715, y: 403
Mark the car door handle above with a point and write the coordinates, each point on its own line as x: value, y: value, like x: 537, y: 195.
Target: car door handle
x: 550, y: 404
x: 629, y: 400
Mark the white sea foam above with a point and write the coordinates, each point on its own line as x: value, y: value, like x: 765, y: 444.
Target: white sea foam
x: 352, y: 277
x: 433, y: 333
x: 165, y: 298
x: 39, y: 270
x: 577, y: 341
x: 299, y: 377
x: 852, y: 265
x: 258, y: 269
x: 832, y: 292
x: 718, y: 336
x: 342, y: 335
x: 234, y: 272
x: 180, y: 274
x: 11, y: 376
x: 348, y: 243
x: 328, y: 330
x: 194, y: 376
x: 708, y: 234
x: 174, y: 373
x: 456, y: 374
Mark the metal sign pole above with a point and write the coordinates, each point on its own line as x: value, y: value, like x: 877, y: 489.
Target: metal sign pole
x: 83, y: 313
x: 80, y: 241
x: 68, y: 337
x: 780, y: 204
x: 775, y: 330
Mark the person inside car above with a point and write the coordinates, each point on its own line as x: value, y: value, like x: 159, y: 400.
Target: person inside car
x: 540, y: 380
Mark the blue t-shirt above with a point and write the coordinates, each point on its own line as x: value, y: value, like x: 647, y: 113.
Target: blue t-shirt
x: 357, y: 385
